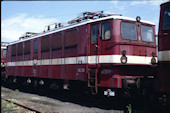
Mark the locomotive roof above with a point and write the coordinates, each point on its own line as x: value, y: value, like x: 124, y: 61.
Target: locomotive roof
x: 167, y: 2
x: 4, y: 44
x: 78, y: 24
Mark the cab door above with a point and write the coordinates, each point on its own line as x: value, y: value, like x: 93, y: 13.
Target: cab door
x: 99, y: 38
x: 94, y: 45
x: 93, y: 58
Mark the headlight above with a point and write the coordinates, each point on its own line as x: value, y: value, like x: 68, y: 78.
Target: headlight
x: 123, y: 59
x: 153, y: 60
x: 138, y: 18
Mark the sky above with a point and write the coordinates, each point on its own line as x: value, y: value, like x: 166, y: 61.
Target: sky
x: 18, y: 17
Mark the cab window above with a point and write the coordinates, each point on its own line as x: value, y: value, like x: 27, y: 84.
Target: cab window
x: 106, y: 34
x: 94, y: 33
x: 128, y: 31
x: 147, y: 33
x: 166, y: 18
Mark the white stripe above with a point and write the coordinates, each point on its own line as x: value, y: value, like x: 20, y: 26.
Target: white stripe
x: 45, y: 62
x: 164, y: 55
x: 70, y: 60
x: 30, y: 63
x: 139, y: 60
x: 109, y: 59
x: 92, y: 59
x: 84, y: 60
x: 57, y: 61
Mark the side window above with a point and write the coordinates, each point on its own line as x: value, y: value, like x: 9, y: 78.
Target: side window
x: 106, y: 33
x: 27, y: 47
x: 70, y: 39
x: 13, y: 50
x: 20, y: 48
x: 4, y: 53
x: 45, y: 44
x: 94, y: 33
x: 36, y: 45
x: 56, y: 41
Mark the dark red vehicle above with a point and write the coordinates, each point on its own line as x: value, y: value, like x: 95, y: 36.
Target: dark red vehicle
x: 163, y: 81
x: 103, y: 52
x: 3, y: 58
x: 3, y: 55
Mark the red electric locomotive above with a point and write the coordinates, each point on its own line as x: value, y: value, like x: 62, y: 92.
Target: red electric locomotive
x: 103, y: 52
x: 3, y: 57
x: 3, y: 54
x: 163, y: 80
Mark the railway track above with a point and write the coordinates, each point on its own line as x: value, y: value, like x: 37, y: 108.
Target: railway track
x: 22, y: 105
x: 56, y: 103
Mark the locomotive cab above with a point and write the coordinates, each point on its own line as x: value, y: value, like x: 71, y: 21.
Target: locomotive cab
x: 124, y: 53
x: 3, y: 58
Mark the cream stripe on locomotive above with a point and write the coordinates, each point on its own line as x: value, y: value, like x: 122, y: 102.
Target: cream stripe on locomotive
x: 164, y: 55
x: 84, y: 60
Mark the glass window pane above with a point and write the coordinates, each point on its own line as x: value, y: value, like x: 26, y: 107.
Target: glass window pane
x: 36, y: 45
x: 13, y: 50
x: 45, y: 43
x: 20, y: 49
x: 147, y: 33
x: 70, y: 39
x: 106, y: 34
x: 128, y: 31
x: 27, y: 47
x: 94, y: 34
x: 4, y: 52
x: 166, y: 18
x: 56, y: 41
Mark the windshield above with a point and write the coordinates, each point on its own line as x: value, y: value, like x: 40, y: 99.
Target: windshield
x: 128, y: 31
x: 147, y: 33
x: 166, y: 18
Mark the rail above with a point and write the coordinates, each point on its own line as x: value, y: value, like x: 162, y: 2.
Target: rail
x: 21, y: 105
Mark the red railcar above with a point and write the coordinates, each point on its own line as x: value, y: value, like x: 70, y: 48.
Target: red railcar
x: 164, y: 48
x: 103, y: 52
x: 3, y: 58
x: 3, y: 55
x: 163, y: 79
